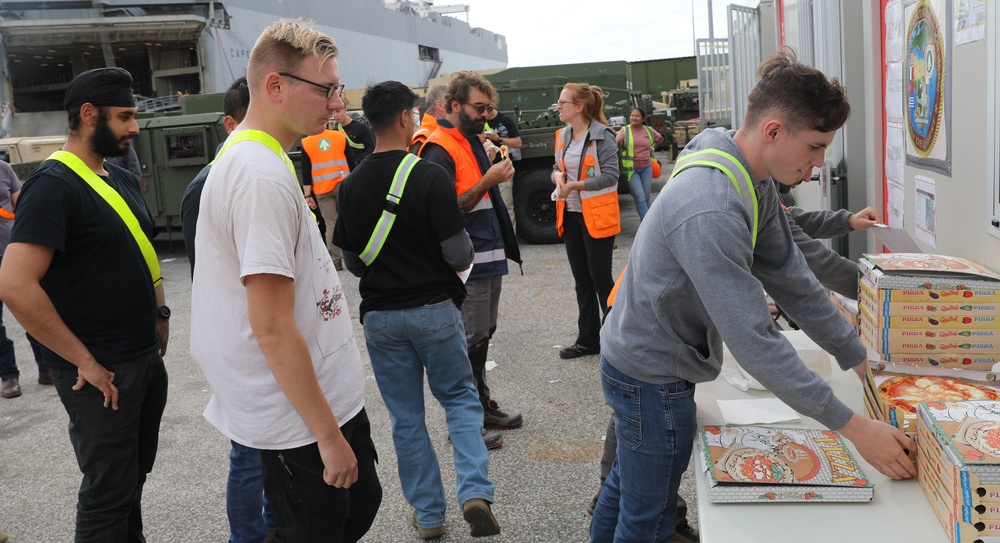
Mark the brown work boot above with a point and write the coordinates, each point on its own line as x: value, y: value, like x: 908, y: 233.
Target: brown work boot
x: 426, y: 533
x: 480, y: 517
x: 10, y: 388
x: 45, y: 377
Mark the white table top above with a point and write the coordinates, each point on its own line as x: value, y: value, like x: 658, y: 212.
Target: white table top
x: 898, y: 513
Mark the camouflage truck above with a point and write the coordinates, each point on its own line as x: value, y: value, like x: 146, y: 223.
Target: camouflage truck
x: 532, y: 103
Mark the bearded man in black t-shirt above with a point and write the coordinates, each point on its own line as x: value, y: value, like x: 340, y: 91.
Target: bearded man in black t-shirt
x: 80, y: 275
x: 411, y: 293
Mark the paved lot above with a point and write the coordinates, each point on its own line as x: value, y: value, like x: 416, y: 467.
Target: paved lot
x: 546, y: 472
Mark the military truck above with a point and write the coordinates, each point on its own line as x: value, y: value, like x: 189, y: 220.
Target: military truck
x: 533, y: 103
x: 24, y: 153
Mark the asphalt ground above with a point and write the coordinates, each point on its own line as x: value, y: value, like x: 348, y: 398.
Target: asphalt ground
x: 546, y: 473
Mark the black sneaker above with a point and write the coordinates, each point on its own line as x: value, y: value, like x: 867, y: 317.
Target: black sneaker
x: 684, y: 533
x: 493, y: 440
x: 576, y: 350
x: 494, y: 418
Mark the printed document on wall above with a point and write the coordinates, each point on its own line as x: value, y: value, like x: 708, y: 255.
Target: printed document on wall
x: 894, y: 93
x: 895, y: 205
x: 926, y: 214
x: 970, y: 20
x: 894, y: 32
x: 895, y: 157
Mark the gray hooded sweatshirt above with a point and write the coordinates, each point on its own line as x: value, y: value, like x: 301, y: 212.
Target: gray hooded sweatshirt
x: 834, y: 272
x: 694, y: 279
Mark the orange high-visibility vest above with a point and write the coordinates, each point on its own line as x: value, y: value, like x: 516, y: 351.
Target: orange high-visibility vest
x: 328, y: 154
x: 5, y: 214
x: 600, y: 207
x: 428, y: 124
x: 467, y: 172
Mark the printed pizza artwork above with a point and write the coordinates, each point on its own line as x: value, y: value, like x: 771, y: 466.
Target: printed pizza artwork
x: 749, y: 465
x: 984, y: 436
x: 908, y: 391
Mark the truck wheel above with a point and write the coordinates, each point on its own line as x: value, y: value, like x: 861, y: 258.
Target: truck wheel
x: 534, y: 209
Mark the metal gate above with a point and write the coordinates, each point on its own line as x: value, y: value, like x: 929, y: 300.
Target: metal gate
x: 744, y: 56
x: 715, y: 106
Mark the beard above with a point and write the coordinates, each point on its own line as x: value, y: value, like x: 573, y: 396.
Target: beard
x: 105, y: 142
x: 469, y: 126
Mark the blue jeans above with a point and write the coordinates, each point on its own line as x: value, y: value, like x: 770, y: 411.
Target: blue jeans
x: 656, y: 427
x: 245, y: 497
x: 640, y: 185
x: 402, y: 344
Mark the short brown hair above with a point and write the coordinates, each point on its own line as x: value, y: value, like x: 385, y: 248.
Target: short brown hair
x: 461, y: 85
x: 284, y: 45
x: 592, y: 99
x: 801, y: 94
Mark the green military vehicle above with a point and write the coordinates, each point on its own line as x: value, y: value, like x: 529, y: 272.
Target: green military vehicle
x: 172, y: 149
x: 532, y: 103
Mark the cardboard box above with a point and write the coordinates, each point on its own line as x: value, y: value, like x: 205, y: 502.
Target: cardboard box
x: 915, y: 272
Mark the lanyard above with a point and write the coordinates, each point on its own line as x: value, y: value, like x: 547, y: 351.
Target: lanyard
x: 117, y: 203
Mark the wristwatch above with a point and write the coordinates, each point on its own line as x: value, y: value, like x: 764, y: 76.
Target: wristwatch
x: 163, y: 312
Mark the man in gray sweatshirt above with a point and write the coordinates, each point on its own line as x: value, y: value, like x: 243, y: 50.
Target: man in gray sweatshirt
x: 710, y: 243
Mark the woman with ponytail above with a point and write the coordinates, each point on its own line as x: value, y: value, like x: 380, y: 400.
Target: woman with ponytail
x: 586, y: 179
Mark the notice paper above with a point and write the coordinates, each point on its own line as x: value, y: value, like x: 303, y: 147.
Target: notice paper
x: 895, y: 239
x: 762, y: 411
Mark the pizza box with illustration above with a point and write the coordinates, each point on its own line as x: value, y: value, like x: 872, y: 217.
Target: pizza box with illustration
x: 916, y: 271
x: 889, y: 341
x: 969, y: 433
x: 880, y: 296
x: 897, y: 395
x: 962, y: 485
x: 848, y: 308
x: 764, y: 464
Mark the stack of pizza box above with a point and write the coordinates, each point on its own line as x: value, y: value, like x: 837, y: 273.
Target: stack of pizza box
x: 929, y: 315
x: 958, y: 463
x: 847, y: 307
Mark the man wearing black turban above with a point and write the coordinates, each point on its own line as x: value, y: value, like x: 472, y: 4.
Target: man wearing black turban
x: 81, y: 276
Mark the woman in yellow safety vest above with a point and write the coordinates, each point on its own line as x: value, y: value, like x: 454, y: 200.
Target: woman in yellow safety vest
x: 636, y: 142
x: 586, y: 178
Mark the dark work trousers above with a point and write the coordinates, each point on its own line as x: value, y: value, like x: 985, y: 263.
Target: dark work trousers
x: 590, y: 261
x: 305, y: 507
x: 114, y: 449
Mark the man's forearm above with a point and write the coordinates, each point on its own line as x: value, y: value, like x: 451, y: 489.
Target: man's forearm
x: 468, y: 199
x: 33, y: 309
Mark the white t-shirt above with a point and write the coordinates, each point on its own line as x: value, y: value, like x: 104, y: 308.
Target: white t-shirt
x: 253, y: 219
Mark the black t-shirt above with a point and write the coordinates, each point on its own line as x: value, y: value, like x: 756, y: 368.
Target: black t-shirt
x: 98, y: 280
x: 190, y: 206
x: 361, y: 134
x: 410, y: 270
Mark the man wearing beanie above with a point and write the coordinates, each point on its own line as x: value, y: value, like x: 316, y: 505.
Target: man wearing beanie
x: 81, y: 276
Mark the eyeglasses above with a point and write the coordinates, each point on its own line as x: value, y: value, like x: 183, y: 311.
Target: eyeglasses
x: 564, y: 102
x: 330, y: 90
x: 481, y: 108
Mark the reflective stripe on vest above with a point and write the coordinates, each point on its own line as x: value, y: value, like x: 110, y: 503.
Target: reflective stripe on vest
x: 628, y: 155
x: 726, y: 163
x: 117, y: 203
x: 600, y: 207
x: 385, y: 222
x: 327, y: 153
x: 340, y: 128
x: 720, y: 160
x: 260, y: 137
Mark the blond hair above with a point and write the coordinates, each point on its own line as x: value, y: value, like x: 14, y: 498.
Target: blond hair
x: 592, y: 99
x: 283, y: 46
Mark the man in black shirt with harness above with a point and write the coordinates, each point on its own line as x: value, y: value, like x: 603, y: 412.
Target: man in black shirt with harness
x: 401, y: 231
x: 81, y: 276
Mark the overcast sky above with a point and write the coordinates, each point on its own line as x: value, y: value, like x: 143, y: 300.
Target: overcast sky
x: 541, y: 32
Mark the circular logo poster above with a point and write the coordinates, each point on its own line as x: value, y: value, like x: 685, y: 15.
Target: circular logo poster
x: 925, y: 78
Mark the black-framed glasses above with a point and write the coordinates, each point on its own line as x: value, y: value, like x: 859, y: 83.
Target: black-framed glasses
x: 482, y: 108
x: 330, y: 90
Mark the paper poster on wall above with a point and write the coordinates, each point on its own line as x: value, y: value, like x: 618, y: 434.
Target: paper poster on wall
x: 926, y: 214
x: 894, y: 32
x: 927, y: 84
x: 970, y: 20
x: 894, y: 153
x: 895, y: 205
x: 894, y: 92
